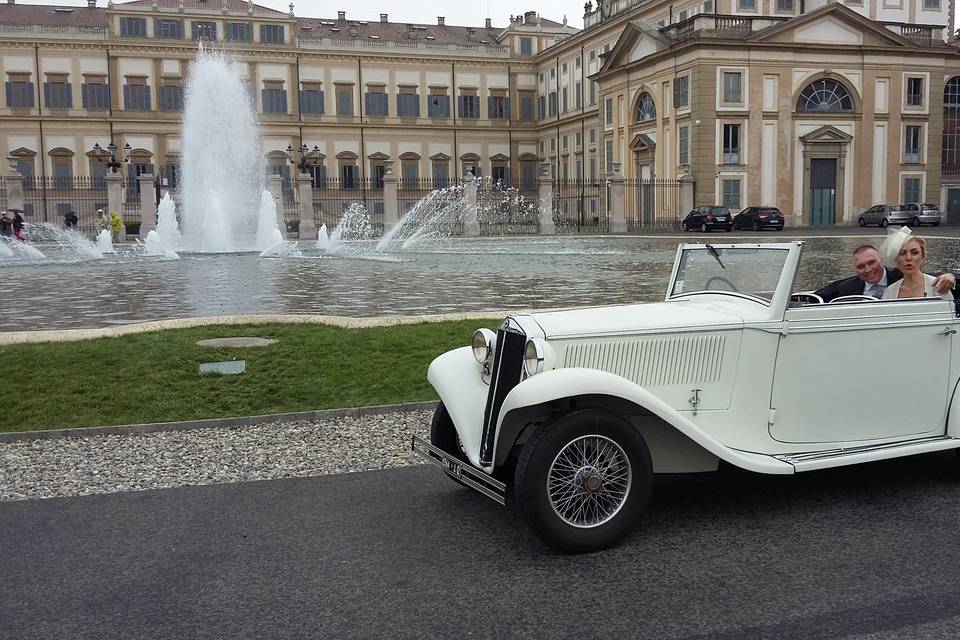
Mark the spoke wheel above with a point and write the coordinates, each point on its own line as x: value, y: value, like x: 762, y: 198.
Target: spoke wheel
x: 589, y: 481
x: 583, y: 480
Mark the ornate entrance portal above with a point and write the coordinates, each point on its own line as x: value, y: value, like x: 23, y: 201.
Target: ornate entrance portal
x: 824, y: 167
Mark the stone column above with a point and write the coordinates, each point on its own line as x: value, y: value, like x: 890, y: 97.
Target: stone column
x: 14, y: 182
x: 391, y: 208
x: 148, y: 205
x: 545, y: 194
x: 275, y: 186
x: 115, y: 200
x: 471, y: 226
x: 618, y: 201
x: 686, y: 195
x: 308, y: 223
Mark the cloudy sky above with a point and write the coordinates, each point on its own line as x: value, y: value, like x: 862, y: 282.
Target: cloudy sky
x: 424, y: 11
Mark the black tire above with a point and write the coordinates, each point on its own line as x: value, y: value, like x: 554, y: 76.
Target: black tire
x: 622, y: 475
x: 915, y: 222
x: 884, y: 223
x: 443, y: 435
x: 862, y: 222
x: 756, y: 225
x: 780, y: 228
x: 704, y: 228
x: 729, y: 228
x: 936, y: 224
x: 685, y: 226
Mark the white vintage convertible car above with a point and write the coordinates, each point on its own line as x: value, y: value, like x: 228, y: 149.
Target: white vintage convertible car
x: 571, y: 413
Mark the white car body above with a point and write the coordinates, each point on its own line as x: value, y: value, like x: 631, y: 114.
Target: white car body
x: 717, y: 375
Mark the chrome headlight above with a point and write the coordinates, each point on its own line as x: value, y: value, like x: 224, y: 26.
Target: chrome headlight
x: 533, y: 355
x: 483, y: 343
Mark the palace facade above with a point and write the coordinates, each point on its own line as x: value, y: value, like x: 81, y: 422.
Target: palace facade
x: 821, y: 109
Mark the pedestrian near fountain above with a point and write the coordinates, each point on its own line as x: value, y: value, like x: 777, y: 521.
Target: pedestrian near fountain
x: 6, y: 225
x: 18, y: 226
x: 115, y: 225
x: 102, y: 221
x: 70, y: 220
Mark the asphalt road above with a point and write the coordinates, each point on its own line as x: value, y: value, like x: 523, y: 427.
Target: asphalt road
x: 867, y: 552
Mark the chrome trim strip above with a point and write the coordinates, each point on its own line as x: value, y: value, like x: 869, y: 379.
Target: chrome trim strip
x: 842, y: 456
x: 460, y: 470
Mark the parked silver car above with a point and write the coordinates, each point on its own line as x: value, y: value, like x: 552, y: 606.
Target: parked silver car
x: 923, y: 213
x: 885, y: 214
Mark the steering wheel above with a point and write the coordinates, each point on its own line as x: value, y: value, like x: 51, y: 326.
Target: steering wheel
x: 804, y: 298
x: 707, y: 286
x: 855, y: 298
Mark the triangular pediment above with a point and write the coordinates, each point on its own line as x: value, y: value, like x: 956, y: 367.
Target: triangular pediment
x: 642, y: 142
x: 826, y: 133
x: 379, y: 155
x: 833, y: 24
x: 638, y: 40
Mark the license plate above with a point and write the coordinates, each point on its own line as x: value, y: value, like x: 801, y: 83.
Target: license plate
x: 721, y: 219
x: 451, y: 467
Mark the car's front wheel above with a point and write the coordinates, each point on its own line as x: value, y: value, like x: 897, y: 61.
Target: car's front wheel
x: 443, y: 435
x: 756, y: 225
x: 583, y: 480
x: 915, y: 222
x: 704, y: 228
x: 685, y: 226
x: 862, y: 222
x: 884, y: 223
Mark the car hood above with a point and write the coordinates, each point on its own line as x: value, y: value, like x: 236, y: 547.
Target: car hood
x: 639, y: 318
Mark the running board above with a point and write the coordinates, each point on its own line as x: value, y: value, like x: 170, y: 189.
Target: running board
x: 460, y: 471
x: 870, y: 453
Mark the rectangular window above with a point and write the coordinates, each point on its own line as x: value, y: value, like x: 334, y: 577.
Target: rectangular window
x: 593, y: 92
x: 57, y: 92
x: 274, y: 97
x: 731, y: 144
x: 593, y: 136
x: 682, y: 16
x: 375, y: 102
x: 526, y: 106
x: 683, y: 145
x: 578, y: 139
x: 170, y: 98
x: 239, y: 32
x: 931, y: 4
x: 133, y: 27
x: 911, y: 146
x: 441, y: 173
x: 408, y: 103
x: 681, y: 92
x: 171, y: 175
x: 95, y: 93
x: 410, y: 173
x: 608, y: 152
x: 578, y: 96
x: 205, y: 31
x: 608, y: 111
x: 498, y: 107
x: 552, y: 103
x: 438, y: 105
x: 62, y: 172
x: 526, y: 46
x: 565, y: 142
x: 348, y: 176
x: 272, y: 34
x: 563, y: 68
x: 469, y: 106
x: 98, y: 175
x: 731, y: 192
x: 708, y: 6
x: 136, y: 95
x: 311, y: 98
x: 344, y: 100
x: 915, y: 92
x: 542, y: 107
x: 911, y: 190
x: 731, y: 87
x: 747, y: 5
x: 564, y: 101
x: 168, y: 29
x: 785, y: 5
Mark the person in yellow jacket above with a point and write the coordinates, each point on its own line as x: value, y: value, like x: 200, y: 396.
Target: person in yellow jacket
x: 115, y: 225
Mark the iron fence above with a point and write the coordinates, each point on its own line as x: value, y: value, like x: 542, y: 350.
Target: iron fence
x: 332, y: 197
x: 580, y: 207
x: 50, y: 199
x: 652, y: 204
x: 3, y: 193
x: 505, y: 208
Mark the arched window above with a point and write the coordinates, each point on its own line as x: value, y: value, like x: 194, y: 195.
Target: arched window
x: 646, y: 110
x: 825, y: 94
x: 951, y: 126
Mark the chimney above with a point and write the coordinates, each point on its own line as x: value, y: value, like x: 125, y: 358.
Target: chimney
x: 489, y: 23
x: 341, y: 15
x: 530, y: 17
x: 383, y: 17
x: 440, y: 21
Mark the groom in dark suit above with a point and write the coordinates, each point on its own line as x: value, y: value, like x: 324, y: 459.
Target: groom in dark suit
x: 873, y: 278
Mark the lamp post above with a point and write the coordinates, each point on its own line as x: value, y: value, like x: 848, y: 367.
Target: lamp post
x: 110, y: 152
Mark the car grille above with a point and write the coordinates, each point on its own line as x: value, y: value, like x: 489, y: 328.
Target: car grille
x: 507, y: 372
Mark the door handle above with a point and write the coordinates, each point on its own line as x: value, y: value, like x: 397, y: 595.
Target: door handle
x: 949, y: 331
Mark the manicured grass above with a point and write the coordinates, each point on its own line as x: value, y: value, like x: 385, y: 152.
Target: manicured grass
x: 153, y: 377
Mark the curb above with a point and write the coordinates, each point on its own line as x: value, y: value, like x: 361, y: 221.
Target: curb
x: 213, y: 423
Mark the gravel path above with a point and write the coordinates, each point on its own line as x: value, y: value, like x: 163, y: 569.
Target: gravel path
x: 134, y: 462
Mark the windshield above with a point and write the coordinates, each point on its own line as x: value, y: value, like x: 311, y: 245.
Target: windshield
x: 929, y: 207
x: 748, y: 270
x: 719, y: 211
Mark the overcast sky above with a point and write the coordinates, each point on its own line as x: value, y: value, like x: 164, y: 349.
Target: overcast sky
x: 471, y: 13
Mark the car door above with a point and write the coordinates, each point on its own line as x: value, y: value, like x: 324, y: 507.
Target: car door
x: 863, y: 371
x: 870, y: 215
x: 744, y: 219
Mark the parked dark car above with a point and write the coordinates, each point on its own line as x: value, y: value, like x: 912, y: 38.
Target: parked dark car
x: 708, y: 218
x: 758, y: 218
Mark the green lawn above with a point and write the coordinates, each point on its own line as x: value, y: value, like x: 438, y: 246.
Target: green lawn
x: 153, y: 377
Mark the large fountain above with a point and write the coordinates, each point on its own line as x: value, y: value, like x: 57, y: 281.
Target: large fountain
x: 225, y: 207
